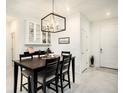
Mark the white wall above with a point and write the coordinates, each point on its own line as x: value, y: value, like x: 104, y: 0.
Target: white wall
x: 95, y: 38
x: 74, y: 32
x: 8, y: 43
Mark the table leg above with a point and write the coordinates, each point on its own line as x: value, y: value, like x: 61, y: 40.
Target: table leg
x: 34, y: 82
x: 15, y: 77
x: 73, y: 68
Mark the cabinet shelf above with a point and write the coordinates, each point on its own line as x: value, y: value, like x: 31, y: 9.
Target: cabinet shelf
x: 41, y: 44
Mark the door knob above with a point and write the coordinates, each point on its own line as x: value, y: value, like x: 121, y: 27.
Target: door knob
x: 82, y: 52
x: 101, y: 50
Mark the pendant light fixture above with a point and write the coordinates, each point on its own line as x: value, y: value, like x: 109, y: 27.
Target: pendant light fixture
x: 53, y: 22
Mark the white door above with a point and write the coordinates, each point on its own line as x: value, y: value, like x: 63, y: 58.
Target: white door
x: 84, y: 49
x: 109, y: 45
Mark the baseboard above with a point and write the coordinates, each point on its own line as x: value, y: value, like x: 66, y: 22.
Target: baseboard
x: 84, y: 70
x: 108, y: 68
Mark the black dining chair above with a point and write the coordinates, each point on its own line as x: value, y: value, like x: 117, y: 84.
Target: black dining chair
x: 64, y: 70
x: 50, y: 74
x: 25, y: 73
x: 65, y: 53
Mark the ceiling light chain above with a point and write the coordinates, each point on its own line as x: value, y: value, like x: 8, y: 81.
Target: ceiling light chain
x: 53, y: 6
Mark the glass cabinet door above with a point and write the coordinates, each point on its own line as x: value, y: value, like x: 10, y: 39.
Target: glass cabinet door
x: 49, y: 38
x: 43, y: 37
x: 34, y: 35
x: 31, y: 32
x: 38, y: 34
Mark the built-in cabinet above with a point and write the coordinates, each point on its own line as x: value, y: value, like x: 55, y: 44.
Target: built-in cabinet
x: 34, y: 35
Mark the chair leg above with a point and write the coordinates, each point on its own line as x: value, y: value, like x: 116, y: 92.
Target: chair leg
x: 21, y: 82
x: 61, y: 77
x: 56, y: 81
x: 69, y: 79
x: 44, y: 88
x: 48, y: 85
x: 29, y: 85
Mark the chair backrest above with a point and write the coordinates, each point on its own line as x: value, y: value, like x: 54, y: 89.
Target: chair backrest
x: 65, y: 53
x: 23, y: 56
x: 65, y: 65
x: 51, y: 67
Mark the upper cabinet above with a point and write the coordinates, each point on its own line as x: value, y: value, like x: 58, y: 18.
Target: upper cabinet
x: 34, y: 35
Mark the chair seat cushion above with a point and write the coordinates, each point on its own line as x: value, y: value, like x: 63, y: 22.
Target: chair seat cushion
x: 26, y: 72
x: 41, y: 75
x: 63, y: 71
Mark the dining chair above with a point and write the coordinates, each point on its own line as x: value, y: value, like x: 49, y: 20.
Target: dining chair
x: 50, y: 74
x: 25, y: 73
x: 65, y: 53
x: 64, y: 70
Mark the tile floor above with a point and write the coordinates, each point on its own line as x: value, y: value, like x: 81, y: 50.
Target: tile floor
x: 93, y: 80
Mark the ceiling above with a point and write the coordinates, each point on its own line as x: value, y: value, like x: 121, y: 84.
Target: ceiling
x: 92, y: 9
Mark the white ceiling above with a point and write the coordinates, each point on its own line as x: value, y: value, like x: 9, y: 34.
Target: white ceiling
x: 92, y: 9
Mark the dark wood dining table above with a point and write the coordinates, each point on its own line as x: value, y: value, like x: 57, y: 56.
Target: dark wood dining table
x: 34, y: 65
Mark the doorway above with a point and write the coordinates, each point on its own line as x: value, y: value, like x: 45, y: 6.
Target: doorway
x: 84, y: 49
x: 10, y: 39
x: 109, y: 45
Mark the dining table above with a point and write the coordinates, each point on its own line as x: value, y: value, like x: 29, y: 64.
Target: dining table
x: 35, y: 65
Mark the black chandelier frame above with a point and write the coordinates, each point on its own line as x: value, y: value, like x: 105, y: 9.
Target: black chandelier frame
x: 53, y: 14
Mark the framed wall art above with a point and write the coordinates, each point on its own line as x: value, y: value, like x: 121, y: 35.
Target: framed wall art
x: 64, y: 40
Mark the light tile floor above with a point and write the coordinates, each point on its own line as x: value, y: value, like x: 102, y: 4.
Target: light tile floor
x: 93, y: 80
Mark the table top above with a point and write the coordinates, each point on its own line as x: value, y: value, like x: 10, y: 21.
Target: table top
x: 34, y: 63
